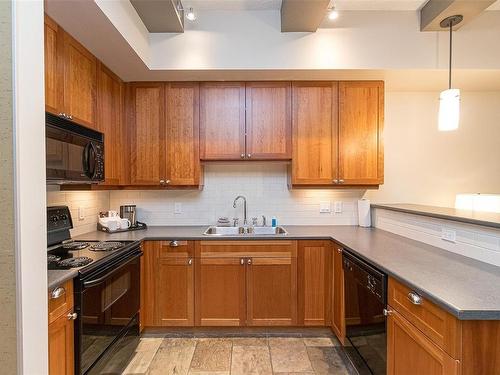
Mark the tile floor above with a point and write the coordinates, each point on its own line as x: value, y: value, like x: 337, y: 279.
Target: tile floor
x: 238, y: 355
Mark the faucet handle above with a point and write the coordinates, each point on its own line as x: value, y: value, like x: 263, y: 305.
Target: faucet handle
x: 254, y: 221
x: 235, y: 221
x: 264, y: 220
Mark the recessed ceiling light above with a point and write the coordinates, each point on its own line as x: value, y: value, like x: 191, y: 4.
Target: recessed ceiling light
x: 190, y: 15
x: 333, y: 14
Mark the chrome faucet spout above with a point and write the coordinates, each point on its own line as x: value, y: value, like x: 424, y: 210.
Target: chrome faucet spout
x: 244, y: 207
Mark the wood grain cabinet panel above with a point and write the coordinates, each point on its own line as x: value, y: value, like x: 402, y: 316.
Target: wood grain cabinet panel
x: 53, y: 43
x: 182, y: 134
x: 314, y: 283
x: 146, y: 130
x: 361, y: 118
x: 271, y: 291
x: 410, y: 352
x: 338, y: 308
x: 268, y: 120
x: 61, y: 352
x: 110, y: 94
x: 314, y: 124
x: 222, y: 121
x: 149, y: 263
x: 80, y: 80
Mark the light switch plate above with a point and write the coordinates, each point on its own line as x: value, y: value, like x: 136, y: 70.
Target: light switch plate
x: 448, y: 235
x: 337, y: 207
x: 325, y: 207
x: 177, y: 208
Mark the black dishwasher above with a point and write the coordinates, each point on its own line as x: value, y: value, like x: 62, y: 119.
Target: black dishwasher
x: 365, y: 304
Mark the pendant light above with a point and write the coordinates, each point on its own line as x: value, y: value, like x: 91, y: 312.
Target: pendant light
x: 449, y: 100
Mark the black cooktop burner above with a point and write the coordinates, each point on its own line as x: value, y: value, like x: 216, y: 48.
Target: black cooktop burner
x: 51, y: 258
x: 75, y: 245
x: 106, y: 246
x: 75, y: 262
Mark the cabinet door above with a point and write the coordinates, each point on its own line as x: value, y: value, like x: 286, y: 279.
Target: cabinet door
x: 338, y: 323
x: 410, y: 352
x: 314, y: 124
x: 220, y: 291
x: 361, y: 116
x: 271, y: 291
x: 268, y: 120
x: 315, y: 283
x: 61, y: 346
x: 80, y: 79
x: 182, y: 134
x: 146, y: 132
x: 175, y: 284
x: 148, y: 283
x: 110, y: 93
x: 53, y: 67
x: 222, y: 121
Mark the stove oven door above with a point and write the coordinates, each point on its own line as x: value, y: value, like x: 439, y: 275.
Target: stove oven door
x: 109, y: 304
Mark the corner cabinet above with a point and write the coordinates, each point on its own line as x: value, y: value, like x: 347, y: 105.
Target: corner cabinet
x: 337, y: 134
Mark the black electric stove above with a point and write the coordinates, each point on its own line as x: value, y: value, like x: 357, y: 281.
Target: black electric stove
x: 106, y: 292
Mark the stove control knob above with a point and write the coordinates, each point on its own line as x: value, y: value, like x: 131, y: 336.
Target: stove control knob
x: 72, y: 316
x: 54, y: 219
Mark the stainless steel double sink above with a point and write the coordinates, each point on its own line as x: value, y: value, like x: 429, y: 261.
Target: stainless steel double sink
x: 244, y: 231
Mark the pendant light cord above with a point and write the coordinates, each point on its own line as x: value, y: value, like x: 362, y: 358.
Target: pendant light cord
x: 449, y: 72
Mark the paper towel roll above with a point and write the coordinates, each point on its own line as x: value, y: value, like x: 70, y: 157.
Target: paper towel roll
x: 364, y: 213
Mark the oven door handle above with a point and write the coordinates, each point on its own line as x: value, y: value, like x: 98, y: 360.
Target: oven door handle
x: 100, y: 280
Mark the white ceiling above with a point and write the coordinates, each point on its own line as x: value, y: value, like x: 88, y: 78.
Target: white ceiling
x: 391, y: 5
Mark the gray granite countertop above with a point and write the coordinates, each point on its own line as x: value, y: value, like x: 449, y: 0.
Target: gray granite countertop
x: 465, y: 287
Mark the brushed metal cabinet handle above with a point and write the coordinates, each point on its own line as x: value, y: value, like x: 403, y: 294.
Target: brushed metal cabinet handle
x: 415, y: 298
x: 242, y: 261
x: 387, y: 312
x: 249, y: 262
x: 72, y: 316
x: 174, y: 244
x: 249, y: 156
x: 335, y: 181
x: 58, y: 292
x: 242, y: 156
x: 339, y: 250
x: 190, y: 261
x: 341, y: 181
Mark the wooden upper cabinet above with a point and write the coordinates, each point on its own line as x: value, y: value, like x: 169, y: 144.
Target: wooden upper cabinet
x: 182, y: 134
x: 80, y: 79
x: 410, y: 352
x: 222, y: 121
x: 314, y: 282
x: 361, y: 118
x: 314, y: 124
x: 53, y: 67
x: 146, y: 129
x: 268, y: 120
x: 110, y: 93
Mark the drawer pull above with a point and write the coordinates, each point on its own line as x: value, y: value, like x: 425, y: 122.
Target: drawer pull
x: 72, y: 316
x: 174, y: 244
x: 190, y: 261
x: 415, y: 298
x: 242, y: 261
x: 387, y: 312
x: 58, y: 292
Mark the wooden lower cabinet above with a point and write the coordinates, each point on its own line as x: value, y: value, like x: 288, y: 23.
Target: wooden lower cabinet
x: 338, y: 313
x: 410, y: 352
x: 61, y: 352
x: 220, y: 291
x: 314, y: 259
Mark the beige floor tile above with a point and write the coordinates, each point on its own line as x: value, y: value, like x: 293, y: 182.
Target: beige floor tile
x: 251, y: 360
x: 318, y: 341
x: 249, y: 341
x: 143, y: 356
x: 325, y: 360
x: 212, y: 355
x: 173, y: 357
x: 209, y: 373
x: 289, y: 355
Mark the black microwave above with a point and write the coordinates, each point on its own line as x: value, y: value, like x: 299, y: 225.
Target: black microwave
x: 74, y: 154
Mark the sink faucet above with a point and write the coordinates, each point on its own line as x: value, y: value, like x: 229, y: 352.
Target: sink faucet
x: 244, y: 207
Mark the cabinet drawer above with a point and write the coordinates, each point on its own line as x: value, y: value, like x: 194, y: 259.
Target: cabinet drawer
x: 174, y: 248
x: 248, y: 249
x: 60, y: 300
x: 438, y: 325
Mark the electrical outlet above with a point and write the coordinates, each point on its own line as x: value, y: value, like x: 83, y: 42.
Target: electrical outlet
x: 337, y: 207
x: 177, y: 208
x: 448, y: 235
x: 325, y: 207
x: 81, y: 213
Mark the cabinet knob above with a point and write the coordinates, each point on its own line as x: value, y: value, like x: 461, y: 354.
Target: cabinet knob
x: 58, y: 292
x: 242, y: 261
x: 162, y: 182
x: 341, y: 181
x: 70, y: 117
x: 190, y: 261
x: 335, y: 181
x: 167, y: 182
x: 174, y: 244
x: 249, y: 155
x: 386, y: 312
x: 242, y: 156
x: 72, y: 316
x: 415, y: 298
x: 339, y: 250
x: 249, y: 261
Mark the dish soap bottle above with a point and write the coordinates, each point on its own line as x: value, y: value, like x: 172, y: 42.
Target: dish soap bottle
x: 274, y: 222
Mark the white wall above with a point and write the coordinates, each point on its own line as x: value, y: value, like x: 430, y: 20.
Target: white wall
x: 29, y: 154
x: 425, y: 166
x: 263, y: 184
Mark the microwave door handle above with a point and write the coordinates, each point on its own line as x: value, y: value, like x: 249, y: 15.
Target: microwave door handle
x: 100, y: 280
x: 87, y: 152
